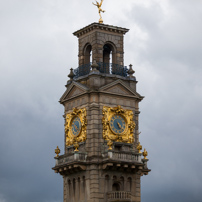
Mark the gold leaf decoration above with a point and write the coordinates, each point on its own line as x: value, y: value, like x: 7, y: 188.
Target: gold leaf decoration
x: 126, y: 135
x: 73, y: 138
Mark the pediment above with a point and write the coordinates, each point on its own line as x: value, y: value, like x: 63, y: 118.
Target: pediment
x: 120, y: 88
x: 74, y: 90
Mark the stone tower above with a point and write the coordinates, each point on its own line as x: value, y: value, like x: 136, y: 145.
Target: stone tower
x: 102, y: 160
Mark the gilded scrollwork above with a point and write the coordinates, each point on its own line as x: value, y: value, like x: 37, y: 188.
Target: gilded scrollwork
x: 125, y: 125
x: 75, y: 127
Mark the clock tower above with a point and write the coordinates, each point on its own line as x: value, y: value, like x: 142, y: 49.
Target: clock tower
x: 102, y: 160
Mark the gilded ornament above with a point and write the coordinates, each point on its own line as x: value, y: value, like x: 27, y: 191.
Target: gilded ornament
x: 76, y: 146
x: 145, y: 154
x: 57, y: 151
x: 139, y: 148
x: 99, y: 10
x: 118, y: 125
x: 110, y: 144
x: 75, y: 127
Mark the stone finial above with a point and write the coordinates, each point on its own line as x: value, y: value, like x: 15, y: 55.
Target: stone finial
x: 71, y: 74
x: 57, y: 151
x: 94, y: 66
x: 131, y: 71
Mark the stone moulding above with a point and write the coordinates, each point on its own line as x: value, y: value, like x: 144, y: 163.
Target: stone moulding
x: 99, y: 26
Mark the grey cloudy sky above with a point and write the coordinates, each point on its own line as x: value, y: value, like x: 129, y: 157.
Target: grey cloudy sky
x: 37, y: 49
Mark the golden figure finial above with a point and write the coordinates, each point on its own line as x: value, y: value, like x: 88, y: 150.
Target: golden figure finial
x: 99, y: 10
x: 145, y: 154
x: 139, y: 148
x: 57, y: 151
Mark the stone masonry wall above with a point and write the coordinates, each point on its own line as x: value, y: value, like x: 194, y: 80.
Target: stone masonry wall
x: 97, y: 39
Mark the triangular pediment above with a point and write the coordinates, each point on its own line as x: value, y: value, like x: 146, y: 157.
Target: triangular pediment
x: 74, y: 90
x: 118, y: 87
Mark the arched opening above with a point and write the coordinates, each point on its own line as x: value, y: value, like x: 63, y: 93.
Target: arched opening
x: 106, y: 183
x: 109, y: 57
x: 129, y: 184
x: 69, y: 188
x: 114, y: 178
x: 74, y: 187
x: 106, y: 177
x: 116, y: 187
x: 122, y: 183
x: 107, y: 52
x: 87, y: 54
x: 78, y: 190
x: 84, y: 184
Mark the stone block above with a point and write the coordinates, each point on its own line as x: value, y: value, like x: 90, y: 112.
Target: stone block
x: 94, y: 177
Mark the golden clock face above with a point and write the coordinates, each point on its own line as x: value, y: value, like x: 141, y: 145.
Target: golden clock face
x: 76, y: 126
x: 117, y: 124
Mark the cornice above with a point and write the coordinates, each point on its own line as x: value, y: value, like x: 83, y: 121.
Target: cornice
x: 98, y: 26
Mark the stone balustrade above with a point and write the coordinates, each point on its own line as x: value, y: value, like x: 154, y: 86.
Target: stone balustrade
x: 114, y: 155
x: 123, y: 156
x: 67, y: 158
x: 119, y: 196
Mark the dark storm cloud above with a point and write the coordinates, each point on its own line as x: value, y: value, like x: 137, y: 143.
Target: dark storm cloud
x: 38, y: 49
x: 171, y: 81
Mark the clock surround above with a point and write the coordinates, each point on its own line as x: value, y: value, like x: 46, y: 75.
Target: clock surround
x: 114, y: 117
x: 75, y: 127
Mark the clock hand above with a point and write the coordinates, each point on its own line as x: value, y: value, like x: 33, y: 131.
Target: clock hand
x: 76, y: 127
x: 73, y: 129
x: 119, y: 125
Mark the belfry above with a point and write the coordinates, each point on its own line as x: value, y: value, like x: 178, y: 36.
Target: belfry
x: 102, y: 160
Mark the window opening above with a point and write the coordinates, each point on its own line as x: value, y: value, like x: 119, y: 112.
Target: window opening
x: 115, y: 187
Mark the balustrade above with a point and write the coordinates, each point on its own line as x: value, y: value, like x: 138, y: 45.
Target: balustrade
x: 114, y: 155
x: 119, y: 195
x: 123, y: 156
x: 70, y: 158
